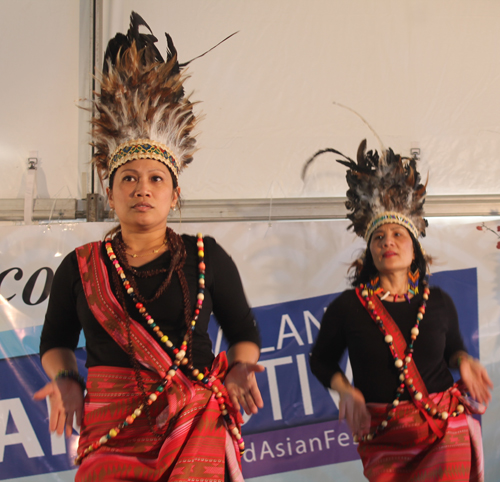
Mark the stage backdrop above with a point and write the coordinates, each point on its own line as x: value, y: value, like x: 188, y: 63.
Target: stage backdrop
x: 291, y: 272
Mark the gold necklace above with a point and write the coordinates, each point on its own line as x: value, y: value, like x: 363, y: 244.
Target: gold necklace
x: 154, y: 251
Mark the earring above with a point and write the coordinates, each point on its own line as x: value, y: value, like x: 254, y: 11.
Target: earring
x: 413, y: 281
x: 374, y: 286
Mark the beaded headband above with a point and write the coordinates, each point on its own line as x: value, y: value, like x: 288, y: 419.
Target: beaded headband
x: 143, y: 149
x: 390, y: 218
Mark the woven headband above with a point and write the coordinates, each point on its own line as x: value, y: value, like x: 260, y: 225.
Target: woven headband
x: 143, y: 149
x: 387, y: 218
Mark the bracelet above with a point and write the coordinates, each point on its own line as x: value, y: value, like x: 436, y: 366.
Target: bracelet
x: 231, y: 366
x: 72, y: 375
x: 459, y: 359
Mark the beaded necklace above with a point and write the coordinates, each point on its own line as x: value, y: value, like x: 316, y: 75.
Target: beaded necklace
x: 401, y: 365
x: 179, y: 357
x: 374, y: 287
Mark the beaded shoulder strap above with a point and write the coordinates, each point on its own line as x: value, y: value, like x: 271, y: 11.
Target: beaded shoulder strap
x: 409, y: 375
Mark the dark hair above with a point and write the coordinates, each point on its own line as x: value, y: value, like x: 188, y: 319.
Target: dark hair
x: 364, y: 268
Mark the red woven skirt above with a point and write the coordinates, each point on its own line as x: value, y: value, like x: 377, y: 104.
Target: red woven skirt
x: 408, y: 450
x: 188, y: 441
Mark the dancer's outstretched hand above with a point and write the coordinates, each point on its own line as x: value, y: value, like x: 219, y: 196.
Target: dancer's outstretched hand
x: 66, y: 402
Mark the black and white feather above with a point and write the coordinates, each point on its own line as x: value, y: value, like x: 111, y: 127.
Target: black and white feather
x: 378, y: 185
x: 141, y: 97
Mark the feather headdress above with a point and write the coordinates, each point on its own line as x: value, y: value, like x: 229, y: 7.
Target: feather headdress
x: 381, y: 190
x: 141, y: 110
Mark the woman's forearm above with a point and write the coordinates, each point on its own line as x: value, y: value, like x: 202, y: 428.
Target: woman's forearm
x: 57, y: 359
x: 244, y: 351
x: 456, y: 358
x: 340, y: 383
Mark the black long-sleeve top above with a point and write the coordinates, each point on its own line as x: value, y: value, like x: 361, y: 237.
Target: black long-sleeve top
x: 346, y: 324
x: 68, y: 312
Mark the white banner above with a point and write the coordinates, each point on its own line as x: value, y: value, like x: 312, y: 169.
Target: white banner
x: 291, y: 271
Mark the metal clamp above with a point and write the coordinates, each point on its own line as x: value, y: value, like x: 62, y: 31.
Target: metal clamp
x: 415, y: 153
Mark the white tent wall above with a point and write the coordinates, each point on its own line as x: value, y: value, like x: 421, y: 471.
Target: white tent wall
x: 41, y: 54
x: 423, y: 73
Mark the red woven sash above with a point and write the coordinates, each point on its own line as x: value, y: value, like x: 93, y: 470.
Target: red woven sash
x: 109, y: 313
x: 399, y: 347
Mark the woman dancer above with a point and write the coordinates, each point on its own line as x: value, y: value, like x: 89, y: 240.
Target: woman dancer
x: 410, y: 418
x: 158, y: 405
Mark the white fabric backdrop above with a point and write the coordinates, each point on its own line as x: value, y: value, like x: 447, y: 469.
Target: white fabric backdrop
x: 421, y: 72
